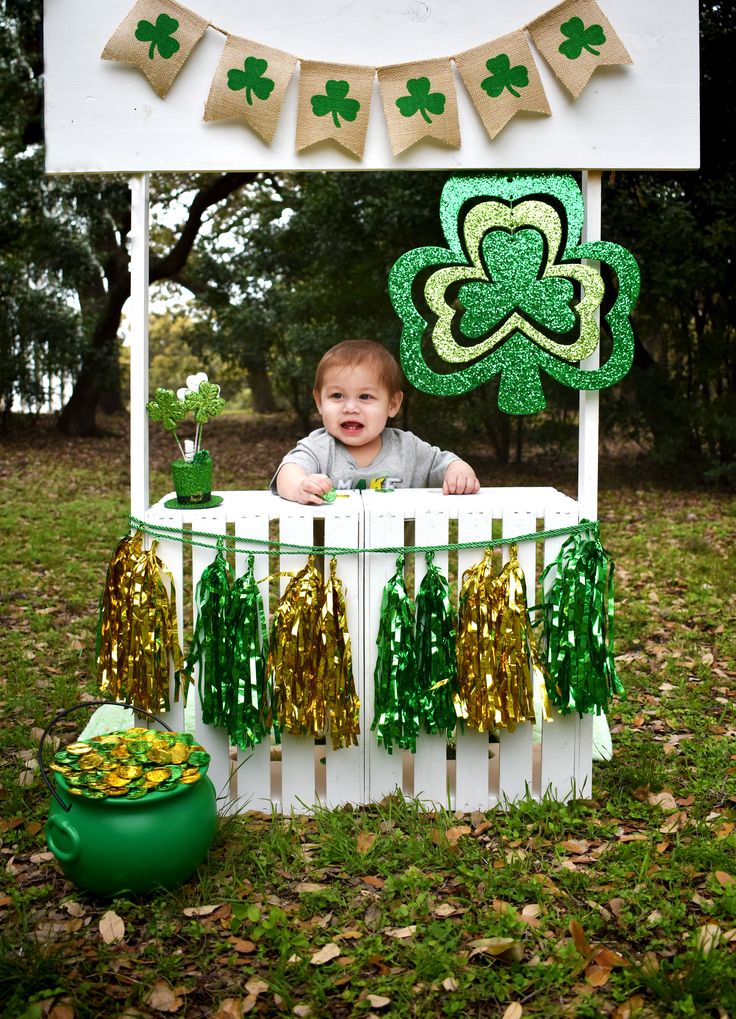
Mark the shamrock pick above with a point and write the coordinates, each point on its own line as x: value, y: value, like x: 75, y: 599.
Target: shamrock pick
x: 504, y: 76
x: 421, y: 100
x: 580, y: 38
x: 159, y: 35
x: 335, y: 101
x: 252, y: 79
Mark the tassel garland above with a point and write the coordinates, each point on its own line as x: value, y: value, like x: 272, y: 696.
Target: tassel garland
x: 137, y: 641
x: 248, y: 695
x: 396, y: 708
x: 578, y: 627
x: 436, y: 660
x: 210, y: 646
x: 476, y: 658
x: 311, y: 660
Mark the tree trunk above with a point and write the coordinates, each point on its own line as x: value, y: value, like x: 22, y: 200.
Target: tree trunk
x: 78, y: 417
x: 261, y: 390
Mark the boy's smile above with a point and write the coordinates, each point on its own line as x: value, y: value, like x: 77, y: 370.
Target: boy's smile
x: 354, y: 406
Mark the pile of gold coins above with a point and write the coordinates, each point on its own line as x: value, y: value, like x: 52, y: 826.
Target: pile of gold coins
x: 131, y: 764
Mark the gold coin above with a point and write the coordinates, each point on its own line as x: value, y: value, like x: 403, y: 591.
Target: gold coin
x: 107, y: 740
x: 189, y: 777
x: 179, y: 753
x: 116, y: 781
x: 78, y: 749
x: 159, y: 755
x: 129, y: 771
x: 76, y: 791
x: 135, y: 732
x: 90, y: 762
x: 113, y: 791
x: 157, y: 775
x: 121, y: 752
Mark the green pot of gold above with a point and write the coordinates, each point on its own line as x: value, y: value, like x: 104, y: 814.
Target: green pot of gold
x: 192, y: 473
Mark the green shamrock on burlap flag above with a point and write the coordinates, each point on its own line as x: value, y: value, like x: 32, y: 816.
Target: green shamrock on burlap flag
x: 157, y: 36
x: 334, y: 103
x: 419, y: 101
x: 502, y: 79
x: 249, y: 84
x: 574, y: 38
x: 510, y: 295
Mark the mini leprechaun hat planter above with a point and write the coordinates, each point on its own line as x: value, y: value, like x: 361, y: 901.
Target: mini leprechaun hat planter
x: 192, y: 473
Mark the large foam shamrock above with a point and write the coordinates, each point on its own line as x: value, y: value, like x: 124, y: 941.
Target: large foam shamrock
x: 510, y: 295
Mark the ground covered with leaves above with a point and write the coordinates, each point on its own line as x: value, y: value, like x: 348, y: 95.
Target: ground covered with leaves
x: 622, y: 905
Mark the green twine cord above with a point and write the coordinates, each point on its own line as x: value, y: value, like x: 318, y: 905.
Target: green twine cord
x: 205, y: 539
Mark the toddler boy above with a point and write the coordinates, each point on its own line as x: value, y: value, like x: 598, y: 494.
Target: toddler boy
x: 357, y: 387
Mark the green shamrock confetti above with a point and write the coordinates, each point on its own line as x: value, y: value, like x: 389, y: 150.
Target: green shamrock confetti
x: 206, y: 402
x: 420, y: 100
x: 167, y: 408
x: 503, y: 75
x: 335, y: 101
x: 252, y: 79
x: 580, y: 38
x: 159, y: 35
x: 512, y: 294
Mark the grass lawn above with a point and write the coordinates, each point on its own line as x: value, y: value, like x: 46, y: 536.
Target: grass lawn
x: 622, y: 905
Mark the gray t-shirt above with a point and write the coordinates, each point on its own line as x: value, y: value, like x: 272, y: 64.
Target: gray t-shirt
x: 404, y: 461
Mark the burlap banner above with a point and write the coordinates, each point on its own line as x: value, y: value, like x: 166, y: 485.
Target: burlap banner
x: 574, y: 38
x: 250, y: 84
x: 502, y: 80
x: 334, y: 102
x: 419, y: 101
x: 157, y: 36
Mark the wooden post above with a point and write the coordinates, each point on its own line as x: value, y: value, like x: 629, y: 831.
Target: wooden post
x: 589, y: 403
x: 138, y: 316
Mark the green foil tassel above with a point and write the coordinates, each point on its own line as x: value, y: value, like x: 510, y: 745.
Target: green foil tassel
x: 209, y: 648
x: 578, y: 627
x: 396, y: 707
x: 436, y: 659
x: 248, y: 695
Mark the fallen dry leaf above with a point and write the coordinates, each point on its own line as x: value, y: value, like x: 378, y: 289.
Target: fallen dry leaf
x: 164, y: 997
x: 453, y: 834
x: 374, y: 882
x: 364, y: 841
x: 400, y: 932
x: 243, y: 946
x: 708, y: 937
x: 663, y: 799
x: 597, y: 976
x: 256, y: 986
x: 378, y: 1000
x: 724, y: 879
x: 495, y: 946
x: 450, y: 984
x: 607, y: 958
x: 325, y: 954
x: 514, y: 1011
x: 579, y: 938
x: 575, y: 846
x: 112, y: 928
x: 201, y: 911
x: 229, y: 1009
x: 303, y: 887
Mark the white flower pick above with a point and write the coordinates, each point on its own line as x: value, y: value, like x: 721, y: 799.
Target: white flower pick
x: 194, y: 381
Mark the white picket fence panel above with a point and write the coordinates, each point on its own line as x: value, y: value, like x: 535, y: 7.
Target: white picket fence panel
x: 466, y: 773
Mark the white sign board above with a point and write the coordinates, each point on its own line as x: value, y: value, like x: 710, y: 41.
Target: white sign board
x: 103, y: 116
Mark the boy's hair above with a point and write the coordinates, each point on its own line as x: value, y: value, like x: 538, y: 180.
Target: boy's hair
x: 353, y: 352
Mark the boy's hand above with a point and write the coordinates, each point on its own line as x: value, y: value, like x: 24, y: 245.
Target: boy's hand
x: 295, y: 484
x: 460, y: 479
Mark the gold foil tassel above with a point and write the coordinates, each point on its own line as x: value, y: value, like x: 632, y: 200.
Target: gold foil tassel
x: 137, y: 637
x: 335, y: 675
x: 294, y: 657
x: 514, y: 646
x: 475, y: 647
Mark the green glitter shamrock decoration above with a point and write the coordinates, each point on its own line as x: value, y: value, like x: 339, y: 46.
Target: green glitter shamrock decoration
x: 200, y: 397
x: 580, y: 38
x: 510, y: 295
x: 335, y: 101
x: 159, y: 35
x: 504, y: 76
x: 252, y: 79
x: 421, y: 100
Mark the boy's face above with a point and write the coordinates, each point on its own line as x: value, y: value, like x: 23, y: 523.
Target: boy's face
x: 355, y: 405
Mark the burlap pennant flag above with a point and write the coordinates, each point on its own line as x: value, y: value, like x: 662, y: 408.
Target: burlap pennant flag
x: 157, y: 36
x: 502, y: 80
x: 419, y: 101
x: 574, y: 38
x: 250, y: 84
x: 334, y: 102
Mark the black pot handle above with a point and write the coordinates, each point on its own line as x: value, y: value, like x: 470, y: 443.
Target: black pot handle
x: 77, y: 707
